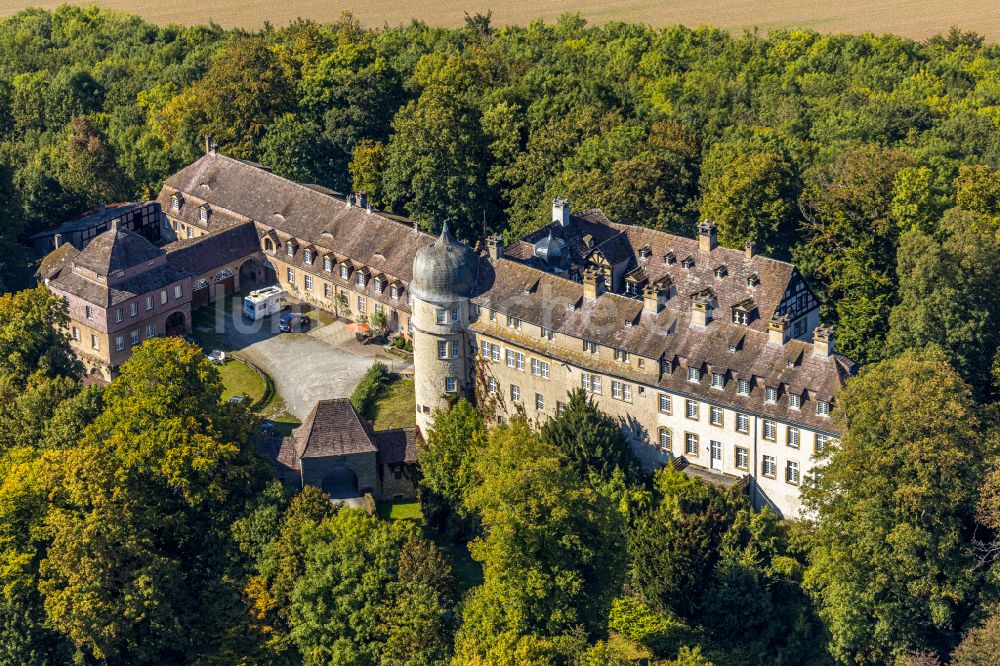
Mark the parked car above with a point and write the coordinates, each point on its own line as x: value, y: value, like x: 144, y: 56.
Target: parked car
x: 217, y: 356
x: 294, y: 323
x: 237, y: 399
x: 267, y: 427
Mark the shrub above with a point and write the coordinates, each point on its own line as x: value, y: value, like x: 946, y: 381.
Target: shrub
x: 374, y: 381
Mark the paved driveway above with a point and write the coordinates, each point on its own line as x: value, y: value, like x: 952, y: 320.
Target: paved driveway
x: 327, y: 362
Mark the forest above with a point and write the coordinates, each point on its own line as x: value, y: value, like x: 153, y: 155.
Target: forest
x: 138, y: 524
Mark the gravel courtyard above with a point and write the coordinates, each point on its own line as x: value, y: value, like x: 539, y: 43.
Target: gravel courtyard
x: 327, y: 362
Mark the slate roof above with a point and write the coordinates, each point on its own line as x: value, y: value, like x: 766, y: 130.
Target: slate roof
x: 55, y: 261
x: 617, y: 321
x: 238, y: 191
x: 116, y: 249
x: 104, y: 296
x: 730, y: 290
x: 201, y: 255
x: 397, y: 446
x: 334, y: 428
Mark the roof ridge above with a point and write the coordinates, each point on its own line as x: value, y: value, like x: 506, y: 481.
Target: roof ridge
x: 302, y: 186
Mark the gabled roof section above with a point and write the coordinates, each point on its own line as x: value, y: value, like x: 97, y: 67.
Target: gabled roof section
x: 334, y: 428
x: 241, y: 191
x: 205, y: 253
x: 115, y: 250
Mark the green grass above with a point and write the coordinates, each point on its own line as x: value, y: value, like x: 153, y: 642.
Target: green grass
x: 467, y: 571
x: 396, y: 407
x: 238, y: 379
x: 400, y: 511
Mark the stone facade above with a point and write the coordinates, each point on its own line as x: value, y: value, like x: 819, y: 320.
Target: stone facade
x: 335, y: 447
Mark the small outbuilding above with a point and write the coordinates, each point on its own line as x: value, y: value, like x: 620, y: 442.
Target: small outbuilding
x: 338, y: 450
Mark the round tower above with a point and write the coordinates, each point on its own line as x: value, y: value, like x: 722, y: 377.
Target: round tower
x: 444, y: 278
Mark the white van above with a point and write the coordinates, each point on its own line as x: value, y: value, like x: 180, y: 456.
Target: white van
x: 264, y: 302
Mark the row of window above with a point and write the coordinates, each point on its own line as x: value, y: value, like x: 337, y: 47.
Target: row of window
x: 134, y: 337
x: 717, y: 379
x: 515, y: 359
x: 134, y: 305
x: 328, y: 292
x: 741, y: 456
x: 379, y: 283
x: 515, y: 394
x: 743, y: 386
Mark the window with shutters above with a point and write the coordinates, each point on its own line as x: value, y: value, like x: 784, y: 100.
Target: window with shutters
x: 742, y: 458
x: 664, y: 437
x: 691, y: 409
x: 690, y: 444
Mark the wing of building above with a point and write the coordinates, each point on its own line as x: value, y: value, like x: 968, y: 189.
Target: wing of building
x: 710, y: 357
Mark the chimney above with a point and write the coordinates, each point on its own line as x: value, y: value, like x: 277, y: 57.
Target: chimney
x: 208, y: 144
x: 777, y: 329
x: 494, y: 245
x: 823, y: 341
x: 701, y: 310
x: 653, y: 298
x: 706, y: 236
x: 215, y: 149
x: 749, y: 250
x: 560, y: 211
x: 56, y: 241
x: 593, y: 283
x: 368, y: 210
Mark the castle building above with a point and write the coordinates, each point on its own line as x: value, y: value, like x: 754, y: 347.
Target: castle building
x: 707, y: 356
x: 120, y: 290
x: 710, y: 357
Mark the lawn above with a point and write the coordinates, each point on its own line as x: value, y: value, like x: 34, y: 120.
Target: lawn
x: 396, y: 407
x: 468, y: 572
x: 238, y: 378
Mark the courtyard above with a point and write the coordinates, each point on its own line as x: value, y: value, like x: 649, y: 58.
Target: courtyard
x: 325, y: 362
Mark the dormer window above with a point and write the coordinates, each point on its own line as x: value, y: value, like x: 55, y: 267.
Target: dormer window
x: 770, y: 395
x: 378, y: 285
x: 743, y: 387
x: 361, y: 278
x: 204, y: 213
x: 645, y: 252
x: 794, y: 400
x: 743, y: 312
x: 694, y: 375
x: 669, y: 258
x: 345, y: 272
x: 688, y: 263
x: 328, y: 264
x: 175, y: 202
x: 822, y: 408
x: 722, y: 271
x: 753, y: 280
x: 718, y: 381
x: 307, y: 256
x: 394, y: 291
x: 290, y: 247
